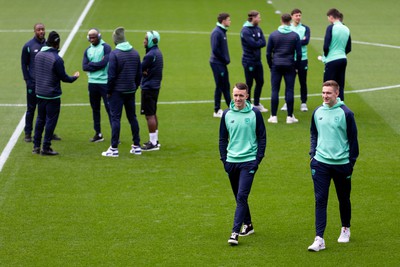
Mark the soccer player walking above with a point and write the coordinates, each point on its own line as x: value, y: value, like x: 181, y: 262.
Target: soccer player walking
x: 333, y: 152
x: 242, y: 143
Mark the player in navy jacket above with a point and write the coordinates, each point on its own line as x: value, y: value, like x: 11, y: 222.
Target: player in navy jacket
x: 124, y: 75
x: 219, y: 60
x: 253, y: 40
x: 283, y: 45
x: 49, y: 73
x: 152, y: 73
x: 29, y: 52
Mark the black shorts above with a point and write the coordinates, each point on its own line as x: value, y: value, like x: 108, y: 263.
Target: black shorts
x: 149, y: 102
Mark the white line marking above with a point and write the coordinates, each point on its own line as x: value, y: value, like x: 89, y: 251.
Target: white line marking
x: 184, y: 102
x: 14, y: 137
x: 201, y: 32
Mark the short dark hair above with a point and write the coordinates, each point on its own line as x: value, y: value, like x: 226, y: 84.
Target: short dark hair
x: 37, y: 24
x: 252, y: 14
x: 286, y: 18
x: 242, y: 86
x: 295, y: 11
x: 341, y: 16
x: 334, y: 13
x: 222, y: 16
x: 331, y: 83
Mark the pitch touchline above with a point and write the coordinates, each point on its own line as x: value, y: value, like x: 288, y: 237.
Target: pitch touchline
x: 197, y: 32
x: 212, y: 101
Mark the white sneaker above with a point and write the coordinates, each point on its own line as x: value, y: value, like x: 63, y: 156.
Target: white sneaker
x: 344, y: 235
x: 303, y: 107
x: 290, y: 120
x: 218, y: 114
x: 284, y: 107
x: 261, y: 108
x: 319, y: 244
x: 137, y: 150
x: 111, y: 152
x: 273, y: 119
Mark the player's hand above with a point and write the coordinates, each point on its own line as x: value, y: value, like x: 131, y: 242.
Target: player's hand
x: 76, y: 74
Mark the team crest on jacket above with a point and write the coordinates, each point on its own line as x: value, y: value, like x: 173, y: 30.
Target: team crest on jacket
x: 247, y: 120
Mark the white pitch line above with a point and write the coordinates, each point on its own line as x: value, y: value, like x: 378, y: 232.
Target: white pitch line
x: 185, y: 102
x: 14, y: 137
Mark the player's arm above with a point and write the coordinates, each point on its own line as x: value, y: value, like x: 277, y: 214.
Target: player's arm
x: 327, y: 39
x: 223, y: 139
x: 307, y: 36
x: 313, y: 137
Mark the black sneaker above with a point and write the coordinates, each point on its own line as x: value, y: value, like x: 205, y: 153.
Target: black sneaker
x: 234, y: 239
x: 247, y: 229
x: 28, y: 138
x: 48, y: 152
x: 98, y: 137
x: 150, y: 147
x: 36, y: 150
x: 56, y: 137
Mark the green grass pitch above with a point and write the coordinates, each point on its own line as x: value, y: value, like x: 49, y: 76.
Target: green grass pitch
x: 174, y: 207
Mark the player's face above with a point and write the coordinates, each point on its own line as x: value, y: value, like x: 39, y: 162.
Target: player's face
x: 329, y: 95
x: 40, y: 31
x: 296, y: 18
x: 239, y: 98
x: 226, y: 22
x: 94, y: 38
x: 256, y: 20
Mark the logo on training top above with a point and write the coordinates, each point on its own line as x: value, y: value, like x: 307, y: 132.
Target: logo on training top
x: 247, y: 120
x: 336, y: 119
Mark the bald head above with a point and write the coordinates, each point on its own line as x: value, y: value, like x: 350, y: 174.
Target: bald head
x: 94, y: 36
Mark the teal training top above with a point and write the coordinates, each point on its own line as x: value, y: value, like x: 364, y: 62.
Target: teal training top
x: 337, y: 42
x: 304, y: 33
x: 334, y: 135
x: 242, y: 134
x: 97, y: 54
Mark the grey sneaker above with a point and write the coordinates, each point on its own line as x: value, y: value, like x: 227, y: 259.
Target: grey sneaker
x: 261, y: 108
x: 303, y: 107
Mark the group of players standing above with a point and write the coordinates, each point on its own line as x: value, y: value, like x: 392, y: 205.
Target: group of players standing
x: 113, y: 75
x: 286, y: 56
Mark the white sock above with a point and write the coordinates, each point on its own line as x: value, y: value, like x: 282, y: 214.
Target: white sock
x: 153, y: 138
